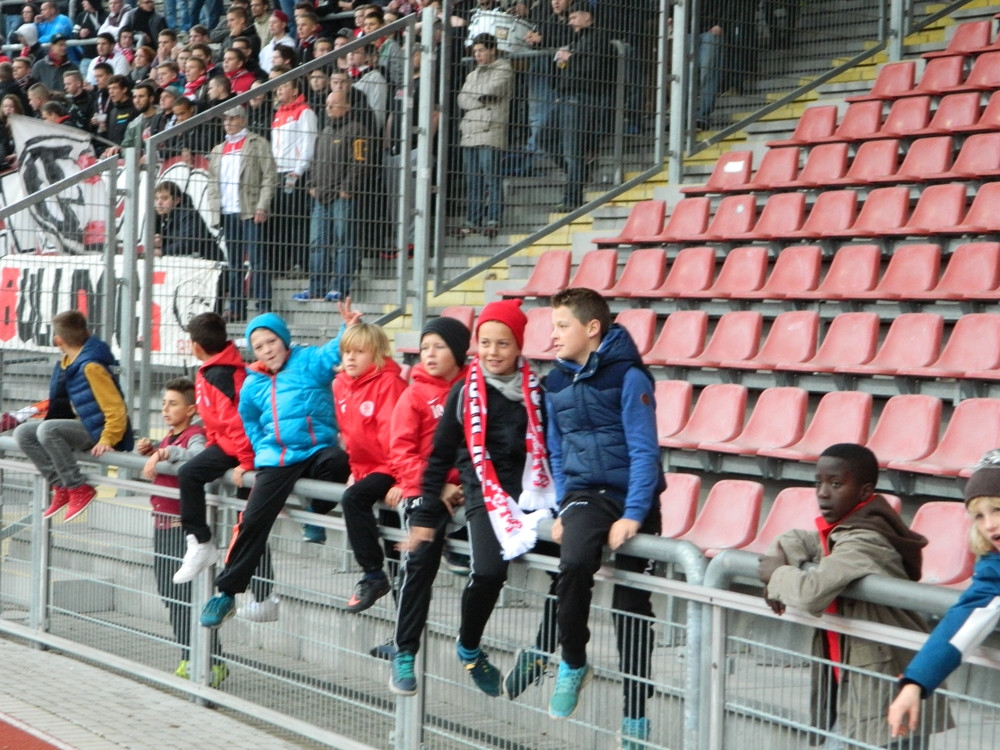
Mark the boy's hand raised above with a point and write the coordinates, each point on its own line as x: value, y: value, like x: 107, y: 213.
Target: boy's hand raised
x: 621, y: 531
x: 349, y: 316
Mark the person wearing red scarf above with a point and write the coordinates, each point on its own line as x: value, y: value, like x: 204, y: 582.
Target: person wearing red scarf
x: 240, y: 78
x: 857, y: 534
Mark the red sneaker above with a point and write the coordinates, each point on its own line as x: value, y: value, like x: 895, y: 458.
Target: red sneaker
x: 60, y: 498
x: 79, y: 499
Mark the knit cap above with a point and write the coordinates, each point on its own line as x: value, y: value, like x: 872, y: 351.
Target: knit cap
x: 509, y: 313
x: 272, y: 322
x: 985, y: 480
x: 453, y: 333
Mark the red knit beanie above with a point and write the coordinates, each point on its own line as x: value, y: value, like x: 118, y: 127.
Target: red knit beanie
x: 509, y: 313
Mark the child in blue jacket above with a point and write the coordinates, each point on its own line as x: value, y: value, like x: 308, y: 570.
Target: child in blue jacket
x: 286, y: 404
x: 973, y: 617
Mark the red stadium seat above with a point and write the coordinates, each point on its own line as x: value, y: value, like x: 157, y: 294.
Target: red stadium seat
x: 682, y: 337
x: 973, y: 429
x: 783, y: 213
x: 792, y: 338
x: 954, y: 112
x: 861, y: 121
x: 779, y: 166
x: 679, y: 503
x: 988, y: 120
x: 984, y: 76
x: 854, y: 268
x: 743, y: 270
x: 834, y: 211
x: 928, y: 159
x: 874, y: 161
x: 815, y: 124
x: 893, y: 80
x: 796, y: 269
x: 851, y: 339
x: 972, y: 268
x: 912, y: 268
x: 947, y: 559
x: 777, y: 420
x: 693, y: 270
x: 717, y: 416
x: 645, y: 219
x: 736, y: 214
x: 793, y: 508
x: 907, y: 429
x: 982, y: 218
x: 673, y: 405
x: 538, y: 334
x: 729, y: 517
x: 940, y: 209
x: 941, y: 74
x: 913, y: 340
x: 906, y: 117
x: 841, y: 417
x: 641, y: 326
x: 974, y: 344
x: 731, y: 173
x: 644, y: 271
x: 979, y: 157
x: 597, y: 271
x: 884, y: 209
x: 686, y: 223
x: 549, y: 275
x: 969, y: 37
x: 736, y: 337
x: 825, y: 164
x: 465, y: 314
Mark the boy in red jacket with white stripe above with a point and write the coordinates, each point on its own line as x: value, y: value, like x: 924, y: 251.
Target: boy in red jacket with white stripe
x: 217, y: 388
x: 365, y: 392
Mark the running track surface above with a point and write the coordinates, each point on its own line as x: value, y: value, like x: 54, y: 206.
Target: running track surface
x: 16, y: 735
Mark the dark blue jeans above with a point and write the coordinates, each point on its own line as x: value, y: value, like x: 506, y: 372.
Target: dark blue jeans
x: 483, y: 185
x: 243, y: 245
x: 333, y: 247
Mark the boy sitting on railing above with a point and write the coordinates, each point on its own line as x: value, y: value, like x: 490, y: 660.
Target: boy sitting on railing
x: 857, y: 534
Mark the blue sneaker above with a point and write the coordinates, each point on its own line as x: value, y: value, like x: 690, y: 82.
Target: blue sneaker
x: 488, y: 678
x: 529, y: 666
x: 403, y: 681
x: 385, y: 650
x: 569, y: 683
x: 635, y: 732
x: 332, y: 297
x: 302, y: 296
x: 313, y: 534
x: 217, y: 610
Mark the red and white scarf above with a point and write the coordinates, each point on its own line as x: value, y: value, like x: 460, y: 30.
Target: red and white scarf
x: 513, y: 522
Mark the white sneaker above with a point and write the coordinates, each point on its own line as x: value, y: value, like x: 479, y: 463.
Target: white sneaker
x: 198, y: 557
x: 265, y: 611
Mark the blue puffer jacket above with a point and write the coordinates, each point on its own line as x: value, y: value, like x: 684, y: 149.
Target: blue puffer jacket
x: 964, y: 626
x: 588, y: 410
x: 289, y: 415
x: 72, y: 384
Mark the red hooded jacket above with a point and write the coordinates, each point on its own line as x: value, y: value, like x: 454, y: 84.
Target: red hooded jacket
x: 413, y: 423
x: 364, y: 415
x: 217, y: 388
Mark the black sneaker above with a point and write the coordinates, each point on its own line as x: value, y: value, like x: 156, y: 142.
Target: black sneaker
x: 367, y: 592
x: 529, y: 666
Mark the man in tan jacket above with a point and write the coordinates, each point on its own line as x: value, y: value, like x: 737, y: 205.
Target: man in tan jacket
x: 242, y: 179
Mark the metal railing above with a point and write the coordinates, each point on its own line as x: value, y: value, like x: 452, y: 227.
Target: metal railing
x: 723, y: 665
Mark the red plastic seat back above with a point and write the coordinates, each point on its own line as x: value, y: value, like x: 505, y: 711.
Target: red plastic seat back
x: 778, y: 419
x: 973, y: 429
x: 688, y: 219
x: 644, y: 220
x: 893, y: 79
x: 717, y: 417
x: 982, y: 212
x: 947, y: 558
x: 985, y: 73
x: 907, y: 429
x: 465, y: 314
x: 673, y: 406
x: 782, y: 214
x: 679, y: 503
x: 906, y: 116
x: 693, y: 270
x: 682, y: 337
x: 834, y: 210
x: 641, y: 326
x: 884, y: 208
x: 743, y: 270
x: 968, y: 37
x: 736, y: 214
x: 854, y: 268
x: 731, y: 172
x: 815, y: 123
x: 956, y: 111
x: 778, y: 167
x: 873, y: 160
x: 912, y: 268
x: 644, y: 271
x: 796, y: 269
x: 926, y: 158
x: 941, y: 74
x: 861, y: 121
x: 913, y: 340
x: 972, y: 267
x: 939, y: 207
x: 549, y: 275
x: 851, y: 339
x: 792, y: 338
x: 538, y: 334
x: 793, y: 508
x: 974, y: 344
x: 980, y: 156
x: 729, y: 517
x: 597, y: 270
x: 736, y: 337
x: 840, y: 417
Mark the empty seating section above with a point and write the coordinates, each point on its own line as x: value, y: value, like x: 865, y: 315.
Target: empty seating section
x: 833, y: 287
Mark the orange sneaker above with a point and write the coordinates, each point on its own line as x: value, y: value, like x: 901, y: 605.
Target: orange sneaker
x: 60, y: 499
x: 79, y: 499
